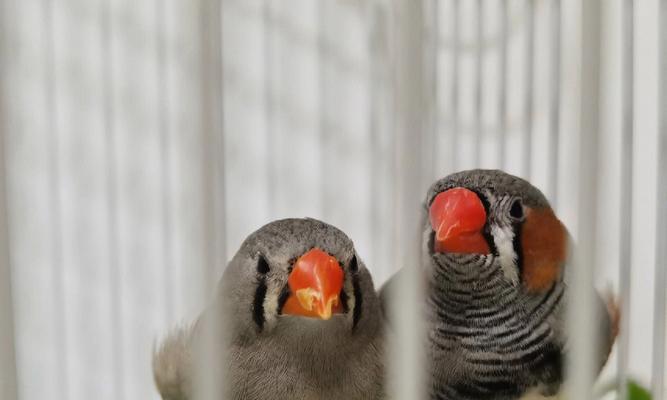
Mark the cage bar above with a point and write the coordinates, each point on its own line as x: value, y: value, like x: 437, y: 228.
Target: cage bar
x: 112, y: 199
x: 325, y: 133
x: 479, y: 82
x: 210, y: 354
x: 554, y: 106
x: 212, y: 121
x: 269, y: 108
x: 626, y: 181
x: 581, y: 312
x: 55, y: 190
x: 659, y: 329
x: 8, y: 389
x: 454, y: 94
x: 8, y: 384
x: 432, y: 85
x: 165, y: 158
x: 407, y: 367
x: 529, y: 62
x: 502, y: 90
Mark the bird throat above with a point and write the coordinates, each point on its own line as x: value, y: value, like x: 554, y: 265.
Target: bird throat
x: 471, y: 279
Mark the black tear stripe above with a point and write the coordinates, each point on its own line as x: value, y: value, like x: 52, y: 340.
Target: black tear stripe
x: 343, y: 300
x: 354, y: 265
x: 258, y: 303
x: 358, y: 301
x: 486, y: 231
x: 262, y: 265
x: 282, y: 299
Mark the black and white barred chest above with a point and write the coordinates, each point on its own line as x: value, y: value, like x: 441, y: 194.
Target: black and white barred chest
x: 490, y: 339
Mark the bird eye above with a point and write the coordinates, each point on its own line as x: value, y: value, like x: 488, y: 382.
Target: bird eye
x: 262, y: 265
x: 516, y: 211
x: 354, y: 265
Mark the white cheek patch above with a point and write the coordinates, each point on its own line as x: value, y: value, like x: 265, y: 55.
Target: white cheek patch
x: 271, y: 305
x: 504, y: 239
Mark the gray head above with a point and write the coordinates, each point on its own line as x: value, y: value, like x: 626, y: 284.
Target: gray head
x: 298, y: 278
x: 489, y: 213
x: 295, y: 310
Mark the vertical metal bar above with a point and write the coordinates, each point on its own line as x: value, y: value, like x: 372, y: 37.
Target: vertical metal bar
x: 454, y: 95
x: 528, y: 88
x: 432, y: 86
x: 406, y: 373
x: 375, y: 35
x: 112, y: 207
x: 381, y: 136
x: 479, y: 77
x: 165, y: 159
x: 8, y: 389
x: 659, y: 329
x: 502, y: 90
x: 269, y: 109
x: 626, y: 181
x: 581, y: 311
x: 212, y: 95
x: 554, y: 111
x: 8, y: 383
x: 59, y: 316
x: 325, y: 132
x: 210, y: 354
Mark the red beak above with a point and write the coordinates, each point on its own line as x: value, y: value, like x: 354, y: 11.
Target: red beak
x: 458, y: 217
x: 315, y: 284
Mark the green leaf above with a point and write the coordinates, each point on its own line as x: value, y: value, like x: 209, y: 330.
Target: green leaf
x: 637, y: 392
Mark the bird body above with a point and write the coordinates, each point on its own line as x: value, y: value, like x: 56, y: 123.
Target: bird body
x: 487, y: 339
x: 494, y: 261
x: 271, y: 369
x: 302, y: 321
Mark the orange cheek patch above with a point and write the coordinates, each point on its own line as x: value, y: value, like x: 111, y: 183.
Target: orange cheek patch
x: 544, y: 245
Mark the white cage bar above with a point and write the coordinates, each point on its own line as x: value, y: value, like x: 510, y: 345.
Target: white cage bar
x: 8, y: 387
x: 528, y: 102
x: 406, y: 372
x: 554, y: 110
x: 659, y: 328
x: 626, y: 180
x: 581, y: 311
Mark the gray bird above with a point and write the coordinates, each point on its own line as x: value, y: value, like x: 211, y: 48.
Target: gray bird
x: 302, y: 316
x: 493, y: 260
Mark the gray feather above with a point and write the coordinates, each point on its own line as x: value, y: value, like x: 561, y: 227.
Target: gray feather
x: 172, y: 363
x: 286, y: 357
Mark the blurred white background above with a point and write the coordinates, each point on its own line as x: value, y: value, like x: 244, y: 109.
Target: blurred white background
x: 129, y: 181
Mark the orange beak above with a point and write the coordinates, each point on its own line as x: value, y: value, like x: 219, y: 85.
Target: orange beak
x: 458, y: 217
x: 315, y: 284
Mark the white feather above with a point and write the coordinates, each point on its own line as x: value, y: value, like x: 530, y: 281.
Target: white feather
x: 504, y: 239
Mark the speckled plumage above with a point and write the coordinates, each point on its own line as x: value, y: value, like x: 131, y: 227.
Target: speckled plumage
x: 274, y: 356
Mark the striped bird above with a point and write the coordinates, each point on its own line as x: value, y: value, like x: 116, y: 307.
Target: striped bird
x: 494, y: 258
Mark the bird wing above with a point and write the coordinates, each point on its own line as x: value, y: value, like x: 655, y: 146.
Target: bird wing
x: 390, y: 291
x: 172, y: 361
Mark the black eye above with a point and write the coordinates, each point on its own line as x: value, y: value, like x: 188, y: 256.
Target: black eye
x: 262, y: 265
x: 354, y: 266
x: 516, y: 211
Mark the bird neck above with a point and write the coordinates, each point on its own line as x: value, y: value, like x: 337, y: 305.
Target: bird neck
x: 469, y: 280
